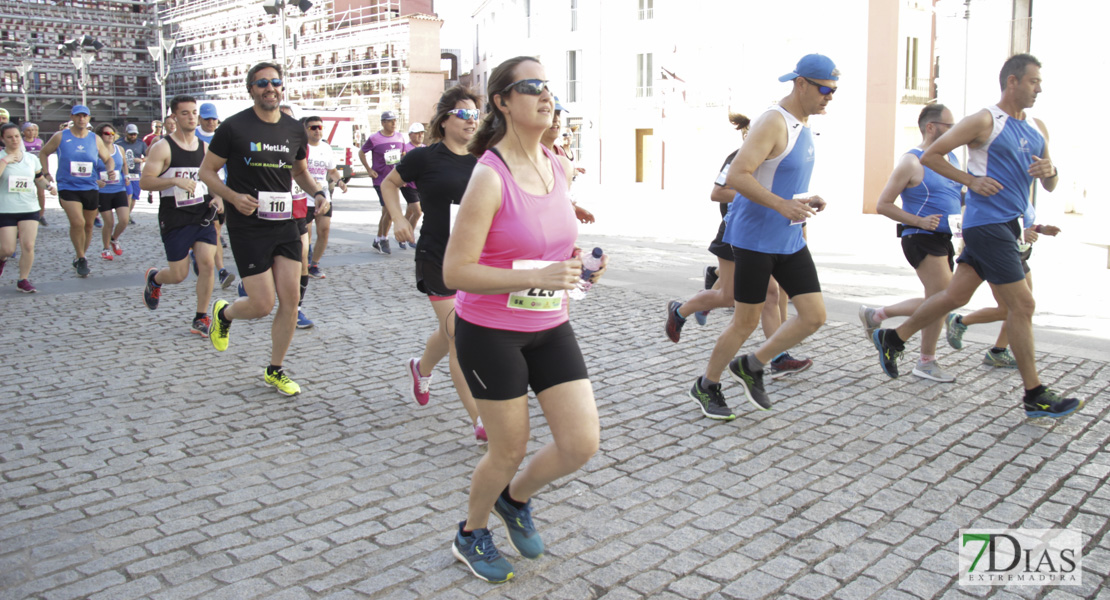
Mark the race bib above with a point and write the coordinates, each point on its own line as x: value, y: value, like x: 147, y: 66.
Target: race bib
x: 392, y: 157
x: 133, y: 176
x: 183, y: 199
x: 17, y: 184
x: 109, y: 176
x: 275, y: 206
x: 535, y: 298
x: 81, y: 169
x: 956, y: 224
x: 802, y: 196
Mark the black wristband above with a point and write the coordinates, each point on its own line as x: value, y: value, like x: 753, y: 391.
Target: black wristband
x: 320, y: 193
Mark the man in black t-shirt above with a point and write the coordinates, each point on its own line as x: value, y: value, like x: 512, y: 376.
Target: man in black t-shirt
x: 264, y: 151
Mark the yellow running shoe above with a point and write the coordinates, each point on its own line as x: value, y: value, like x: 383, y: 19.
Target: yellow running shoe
x: 282, y: 382
x: 219, y: 333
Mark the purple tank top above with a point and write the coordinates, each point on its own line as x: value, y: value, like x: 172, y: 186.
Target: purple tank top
x: 525, y: 228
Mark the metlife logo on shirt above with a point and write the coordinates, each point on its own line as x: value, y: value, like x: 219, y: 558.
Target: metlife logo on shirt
x: 264, y: 147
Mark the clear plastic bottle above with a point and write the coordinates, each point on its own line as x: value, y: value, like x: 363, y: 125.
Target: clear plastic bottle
x: 591, y: 263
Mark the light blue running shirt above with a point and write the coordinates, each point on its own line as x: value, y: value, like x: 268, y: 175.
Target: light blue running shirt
x: 935, y: 195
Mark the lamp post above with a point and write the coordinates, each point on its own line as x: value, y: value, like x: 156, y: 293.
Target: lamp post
x: 277, y: 7
x: 161, y: 66
x: 24, y: 70
x: 82, y: 61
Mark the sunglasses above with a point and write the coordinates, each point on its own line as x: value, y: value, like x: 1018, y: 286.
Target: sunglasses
x: 824, y: 90
x: 109, y: 134
x: 530, y: 87
x: 262, y: 83
x: 466, y: 114
x: 315, y: 127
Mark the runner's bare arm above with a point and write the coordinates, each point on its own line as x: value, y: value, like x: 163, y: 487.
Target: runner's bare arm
x: 972, y: 132
x: 1042, y: 167
x: 767, y: 139
x: 391, y: 196
x: 907, y: 173
x: 157, y: 162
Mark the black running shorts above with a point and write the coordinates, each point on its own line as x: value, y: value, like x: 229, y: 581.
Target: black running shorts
x: 718, y: 247
x: 254, y: 248
x: 500, y: 364
x: 110, y: 202
x: 795, y: 273
x: 429, y: 280
x: 410, y: 195
x: 916, y: 246
x: 89, y: 199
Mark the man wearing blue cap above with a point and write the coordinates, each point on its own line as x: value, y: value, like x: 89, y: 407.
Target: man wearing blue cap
x: 771, y: 174
x: 78, y: 192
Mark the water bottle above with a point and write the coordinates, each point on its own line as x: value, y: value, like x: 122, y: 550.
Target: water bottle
x: 591, y: 263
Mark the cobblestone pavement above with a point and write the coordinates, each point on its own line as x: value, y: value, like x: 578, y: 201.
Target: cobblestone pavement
x: 136, y: 462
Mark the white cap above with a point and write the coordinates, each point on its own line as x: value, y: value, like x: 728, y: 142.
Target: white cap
x: 416, y: 128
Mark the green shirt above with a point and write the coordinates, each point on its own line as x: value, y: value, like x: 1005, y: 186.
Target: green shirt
x: 17, y: 185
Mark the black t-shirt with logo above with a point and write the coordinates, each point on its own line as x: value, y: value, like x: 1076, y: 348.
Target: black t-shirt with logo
x: 441, y: 176
x: 260, y: 157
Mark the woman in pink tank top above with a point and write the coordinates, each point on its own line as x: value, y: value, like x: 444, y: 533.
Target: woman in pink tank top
x: 511, y: 256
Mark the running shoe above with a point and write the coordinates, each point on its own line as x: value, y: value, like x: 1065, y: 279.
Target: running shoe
x: 751, y: 382
x: 106, y: 254
x: 117, y: 247
x: 226, y: 277
x: 82, y: 267
x: 522, y: 532
x: 674, y: 321
x: 152, y: 292
x: 1003, y: 359
x: 315, y: 272
x: 711, y: 276
x: 377, y: 246
x: 219, y: 333
x: 223, y: 242
x: 3, y: 263
x: 42, y: 221
x: 302, y: 321
x: 700, y: 316
x: 419, y: 383
x: 954, y: 329
x: 281, y: 381
x: 1049, y: 404
x: 98, y: 223
x: 888, y: 353
x: 402, y: 246
x: 784, y: 364
x: 201, y: 326
x: 480, y: 433
x: 867, y: 317
x: 385, y: 247
x: 931, y: 370
x: 25, y: 286
x: 193, y: 259
x: 477, y: 551
x: 242, y: 290
x: 711, y: 401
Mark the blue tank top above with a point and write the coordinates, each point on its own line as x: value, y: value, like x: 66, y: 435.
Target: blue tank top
x: 755, y: 227
x: 1006, y: 158
x: 77, y: 162
x: 935, y: 195
x: 119, y: 185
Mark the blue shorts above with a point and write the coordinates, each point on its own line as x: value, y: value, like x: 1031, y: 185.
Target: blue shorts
x: 133, y: 189
x: 992, y: 250
x: 178, y: 241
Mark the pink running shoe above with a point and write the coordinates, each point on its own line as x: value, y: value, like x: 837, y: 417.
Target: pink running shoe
x: 419, y: 382
x: 107, y: 254
x: 480, y: 433
x: 25, y: 286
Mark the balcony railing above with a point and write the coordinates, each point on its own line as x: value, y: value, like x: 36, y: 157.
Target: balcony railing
x: 917, y: 90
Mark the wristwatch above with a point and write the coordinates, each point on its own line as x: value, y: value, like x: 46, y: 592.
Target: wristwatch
x: 320, y: 193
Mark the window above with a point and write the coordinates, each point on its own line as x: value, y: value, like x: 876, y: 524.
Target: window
x: 574, y: 15
x: 572, y: 75
x: 646, y: 9
x: 644, y: 75
x: 911, y: 63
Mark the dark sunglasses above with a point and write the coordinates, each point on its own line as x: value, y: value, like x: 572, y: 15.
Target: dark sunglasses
x: 466, y: 114
x: 262, y: 83
x: 530, y: 87
x: 824, y: 90
x: 315, y: 127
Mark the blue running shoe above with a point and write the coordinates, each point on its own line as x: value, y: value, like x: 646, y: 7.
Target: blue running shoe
x: 522, y: 533
x: 477, y: 552
x: 700, y: 316
x: 1050, y: 404
x: 193, y: 259
x: 888, y: 354
x: 242, y: 290
x: 302, y: 321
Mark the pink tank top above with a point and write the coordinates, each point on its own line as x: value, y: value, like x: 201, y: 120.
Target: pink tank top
x: 526, y: 227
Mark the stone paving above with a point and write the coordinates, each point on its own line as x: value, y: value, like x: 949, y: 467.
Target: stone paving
x: 137, y: 462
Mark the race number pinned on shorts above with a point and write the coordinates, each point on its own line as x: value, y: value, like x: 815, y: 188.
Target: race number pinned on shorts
x: 956, y: 225
x: 535, y: 298
x: 81, y: 168
x: 393, y: 157
x: 802, y: 196
x: 275, y: 206
x: 17, y: 184
x: 183, y: 198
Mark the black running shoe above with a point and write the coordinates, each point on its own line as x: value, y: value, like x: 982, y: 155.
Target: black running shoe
x: 711, y: 401
x: 82, y: 267
x: 710, y: 276
x: 888, y: 353
x: 1049, y: 404
x: 674, y: 322
x: 752, y: 382
x: 152, y: 292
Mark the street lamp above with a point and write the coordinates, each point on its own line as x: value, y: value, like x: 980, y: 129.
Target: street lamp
x: 24, y: 69
x: 82, y: 51
x: 277, y: 7
x: 160, y: 53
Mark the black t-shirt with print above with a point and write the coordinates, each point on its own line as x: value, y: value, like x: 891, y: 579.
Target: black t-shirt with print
x: 441, y: 176
x: 260, y: 157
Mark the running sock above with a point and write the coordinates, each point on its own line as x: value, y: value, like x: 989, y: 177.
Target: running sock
x: 272, y: 369
x: 928, y: 358
x: 223, y: 320
x: 200, y: 316
x: 880, y: 315
x: 678, y: 314
x: 154, y: 279
x: 705, y: 383
x: 304, y: 286
x: 778, y: 358
x: 1033, y: 393
x: 507, y: 498
x: 997, y: 350
x: 752, y: 364
x: 893, y: 340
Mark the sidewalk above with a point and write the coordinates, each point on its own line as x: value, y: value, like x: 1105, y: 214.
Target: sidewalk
x: 136, y: 462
